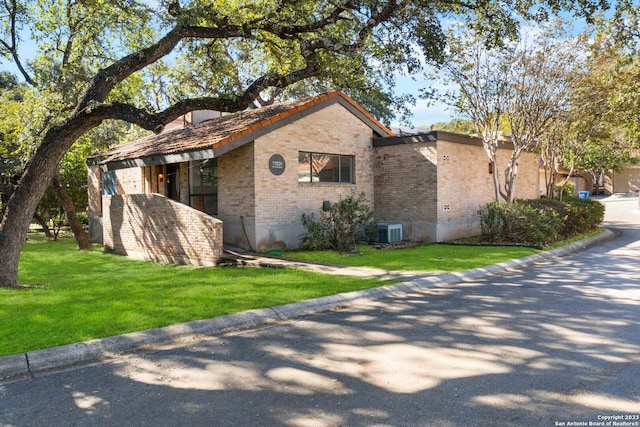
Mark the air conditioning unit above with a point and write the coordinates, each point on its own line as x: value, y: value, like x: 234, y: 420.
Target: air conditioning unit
x: 389, y: 233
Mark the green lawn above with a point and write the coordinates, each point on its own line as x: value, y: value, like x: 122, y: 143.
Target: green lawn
x: 427, y: 258
x: 74, y: 296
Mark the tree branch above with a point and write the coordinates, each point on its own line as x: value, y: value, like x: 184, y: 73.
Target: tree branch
x: 107, y: 78
x: 156, y: 121
x: 13, y: 47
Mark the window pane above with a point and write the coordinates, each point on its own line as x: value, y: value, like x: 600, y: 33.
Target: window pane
x: 203, y: 176
x: 109, y: 185
x: 304, y: 167
x: 317, y: 167
x: 346, y: 169
x: 327, y: 167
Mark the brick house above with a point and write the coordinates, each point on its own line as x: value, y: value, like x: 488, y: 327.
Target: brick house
x: 245, y: 179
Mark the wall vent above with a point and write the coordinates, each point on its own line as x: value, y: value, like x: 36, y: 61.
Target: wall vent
x: 389, y: 233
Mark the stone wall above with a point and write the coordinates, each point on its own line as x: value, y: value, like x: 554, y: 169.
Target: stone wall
x: 155, y: 228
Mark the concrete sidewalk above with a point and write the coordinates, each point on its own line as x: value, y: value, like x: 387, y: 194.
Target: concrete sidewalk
x: 58, y: 358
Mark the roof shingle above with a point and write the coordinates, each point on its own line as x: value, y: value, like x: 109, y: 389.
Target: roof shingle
x: 218, y: 132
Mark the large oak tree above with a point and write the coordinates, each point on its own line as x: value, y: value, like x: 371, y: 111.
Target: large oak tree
x: 106, y: 59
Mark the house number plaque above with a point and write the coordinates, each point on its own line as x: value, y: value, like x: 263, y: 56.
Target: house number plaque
x: 276, y: 164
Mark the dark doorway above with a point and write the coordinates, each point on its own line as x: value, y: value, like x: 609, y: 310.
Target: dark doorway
x: 173, y: 182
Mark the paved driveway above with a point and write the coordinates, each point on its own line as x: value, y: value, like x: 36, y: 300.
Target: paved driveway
x: 555, y: 343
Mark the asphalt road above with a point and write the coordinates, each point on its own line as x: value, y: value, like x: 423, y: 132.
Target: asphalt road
x: 554, y: 344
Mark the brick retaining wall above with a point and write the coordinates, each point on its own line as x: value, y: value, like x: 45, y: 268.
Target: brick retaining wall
x: 155, y: 228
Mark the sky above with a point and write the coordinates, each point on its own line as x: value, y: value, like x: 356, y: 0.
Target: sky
x: 424, y: 113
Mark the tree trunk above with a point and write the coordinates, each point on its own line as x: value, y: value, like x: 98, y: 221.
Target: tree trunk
x: 22, y: 204
x: 40, y: 220
x: 496, y: 179
x: 17, y: 217
x: 70, y: 211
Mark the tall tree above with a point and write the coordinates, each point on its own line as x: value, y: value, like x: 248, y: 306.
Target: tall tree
x: 97, y: 54
x: 598, y: 130
x: 518, y: 87
x: 543, y: 70
x: 481, y: 73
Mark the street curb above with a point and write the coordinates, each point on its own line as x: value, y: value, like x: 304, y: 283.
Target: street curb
x: 22, y: 365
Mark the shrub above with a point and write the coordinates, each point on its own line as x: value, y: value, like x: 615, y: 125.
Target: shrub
x: 338, y: 227
x: 494, y: 221
x: 584, y: 215
x: 83, y: 217
x: 520, y: 223
x: 569, y: 189
x: 540, y: 221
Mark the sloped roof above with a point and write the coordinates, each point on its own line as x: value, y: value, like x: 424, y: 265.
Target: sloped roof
x: 435, y: 135
x: 223, y: 134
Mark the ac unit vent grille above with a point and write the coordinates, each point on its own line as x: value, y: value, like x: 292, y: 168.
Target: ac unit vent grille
x: 389, y: 233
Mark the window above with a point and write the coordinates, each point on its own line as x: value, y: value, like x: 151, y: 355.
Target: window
x: 203, y: 185
x: 203, y: 176
x: 318, y: 167
x: 109, y: 184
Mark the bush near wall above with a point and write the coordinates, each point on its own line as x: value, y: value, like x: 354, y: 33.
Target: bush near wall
x: 337, y: 228
x: 539, y: 222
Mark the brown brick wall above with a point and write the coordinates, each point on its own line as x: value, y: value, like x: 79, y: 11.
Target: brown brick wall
x: 465, y: 184
x: 527, y: 185
x: 236, y: 193
x: 129, y: 181
x: 406, y: 188
x: 155, y: 228
x: 263, y: 210
x: 279, y: 199
x: 435, y: 189
x: 94, y: 207
x: 406, y: 182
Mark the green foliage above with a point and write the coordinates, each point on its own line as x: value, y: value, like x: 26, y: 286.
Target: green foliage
x: 7, y: 80
x: 599, y: 127
x: 83, y: 217
x: 568, y: 189
x: 581, y: 216
x: 337, y: 228
x: 520, y: 223
x: 462, y: 126
x: 539, y: 222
